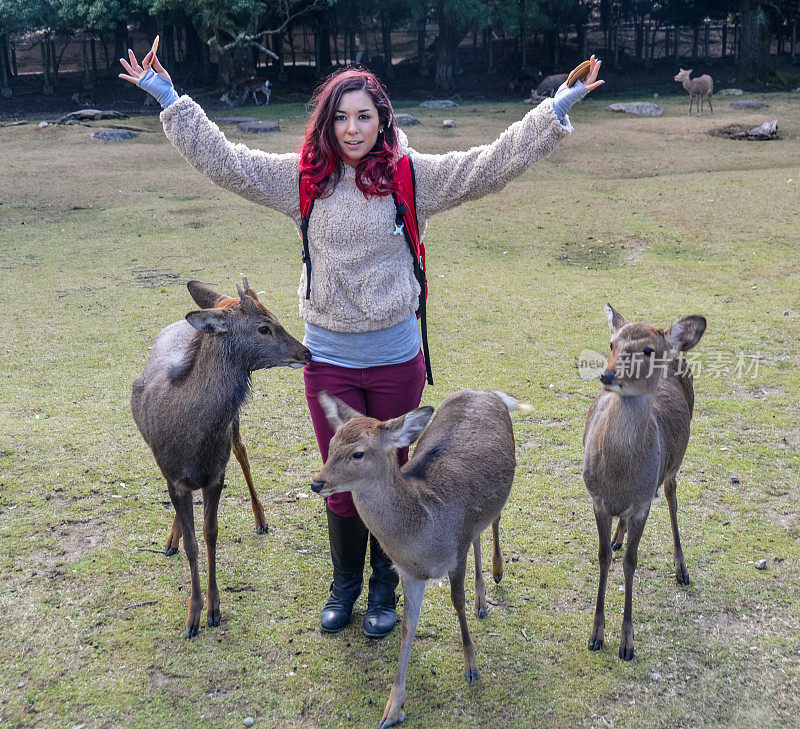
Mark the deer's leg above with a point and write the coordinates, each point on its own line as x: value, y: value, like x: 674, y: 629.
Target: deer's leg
x: 481, y: 608
x: 241, y: 455
x: 700, y: 104
x: 413, y: 592
x: 670, y: 491
x: 619, y: 535
x: 174, y: 538
x: 709, y: 104
x: 635, y: 530
x: 211, y: 495
x: 459, y: 601
x: 181, y: 497
x: 603, y: 520
x: 497, y: 553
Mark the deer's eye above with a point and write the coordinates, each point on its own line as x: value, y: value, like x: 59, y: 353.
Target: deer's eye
x: 358, y: 455
x: 264, y: 330
x: 648, y: 351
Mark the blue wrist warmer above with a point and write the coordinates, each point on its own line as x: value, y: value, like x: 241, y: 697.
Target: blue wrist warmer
x: 159, y: 87
x: 566, y: 97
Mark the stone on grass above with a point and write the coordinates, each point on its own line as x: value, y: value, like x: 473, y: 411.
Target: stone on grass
x: 259, y: 127
x: 90, y: 115
x: 113, y: 135
x: 730, y: 92
x: 748, y: 104
x: 767, y: 130
x: 234, y: 119
x: 249, y: 721
x: 407, y: 120
x: 655, y: 676
x: 437, y: 104
x: 639, y: 108
x: 761, y: 564
x: 43, y: 124
x: 449, y: 124
x: 734, y: 479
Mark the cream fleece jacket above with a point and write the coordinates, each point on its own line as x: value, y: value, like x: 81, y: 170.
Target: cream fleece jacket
x: 363, y: 277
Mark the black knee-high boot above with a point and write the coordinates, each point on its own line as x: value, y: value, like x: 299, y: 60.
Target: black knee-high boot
x: 348, y: 540
x: 380, y: 617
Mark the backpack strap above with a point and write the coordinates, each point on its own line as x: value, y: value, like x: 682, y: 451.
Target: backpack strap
x: 306, y: 206
x: 406, y: 220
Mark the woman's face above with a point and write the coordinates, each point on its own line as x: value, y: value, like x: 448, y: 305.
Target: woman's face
x: 355, y: 123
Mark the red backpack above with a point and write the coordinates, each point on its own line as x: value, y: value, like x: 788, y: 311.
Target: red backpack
x: 405, y: 222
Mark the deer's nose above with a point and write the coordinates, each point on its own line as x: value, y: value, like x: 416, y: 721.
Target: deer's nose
x: 608, y: 377
x: 317, y: 486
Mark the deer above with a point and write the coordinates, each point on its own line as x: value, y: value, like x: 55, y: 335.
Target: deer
x: 702, y: 86
x: 186, y: 404
x: 427, y: 513
x: 636, y: 435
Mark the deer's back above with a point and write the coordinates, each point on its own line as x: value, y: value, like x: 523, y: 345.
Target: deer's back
x: 466, y: 454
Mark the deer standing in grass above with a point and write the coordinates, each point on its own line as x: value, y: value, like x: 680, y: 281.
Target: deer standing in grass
x: 427, y: 513
x: 636, y: 435
x: 702, y: 86
x: 186, y: 404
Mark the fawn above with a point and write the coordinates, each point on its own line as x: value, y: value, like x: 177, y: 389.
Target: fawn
x: 186, y: 405
x: 636, y: 435
x: 702, y: 86
x: 427, y: 513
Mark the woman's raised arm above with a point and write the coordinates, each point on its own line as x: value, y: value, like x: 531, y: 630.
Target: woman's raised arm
x: 264, y: 178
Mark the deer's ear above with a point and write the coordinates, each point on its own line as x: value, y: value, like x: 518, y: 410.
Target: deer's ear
x: 685, y: 333
x: 403, y: 431
x: 337, y: 412
x: 615, y: 320
x: 209, y: 321
x: 204, y: 295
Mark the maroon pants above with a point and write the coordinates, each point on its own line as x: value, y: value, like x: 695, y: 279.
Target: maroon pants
x: 379, y: 392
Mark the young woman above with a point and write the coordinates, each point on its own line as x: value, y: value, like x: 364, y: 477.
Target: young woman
x: 359, y: 310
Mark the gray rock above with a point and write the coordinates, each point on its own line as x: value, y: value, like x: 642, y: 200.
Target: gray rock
x: 90, y: 115
x: 748, y: 104
x: 234, y: 119
x: 259, y: 127
x: 639, y: 108
x: 761, y: 564
x: 734, y: 479
x: 730, y: 92
x: 449, y: 124
x: 249, y: 721
x: 407, y: 120
x: 113, y: 135
x: 655, y: 676
x: 43, y: 124
x: 14, y: 123
x: 767, y: 130
x: 437, y: 104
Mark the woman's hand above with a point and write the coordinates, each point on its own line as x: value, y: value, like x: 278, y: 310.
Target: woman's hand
x: 567, y: 96
x: 150, y: 76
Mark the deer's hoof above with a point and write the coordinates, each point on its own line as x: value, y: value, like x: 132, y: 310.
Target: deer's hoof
x: 626, y: 653
x: 471, y: 674
x: 169, y: 551
x: 214, y: 620
x: 191, y: 631
x: 481, y: 612
x: 615, y: 546
x: 388, y: 721
x: 497, y: 578
x: 682, y: 577
x: 262, y: 529
x: 595, y: 645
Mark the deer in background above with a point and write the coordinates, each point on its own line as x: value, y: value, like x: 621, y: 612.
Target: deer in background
x: 186, y: 405
x: 636, y: 435
x: 427, y: 513
x: 702, y: 86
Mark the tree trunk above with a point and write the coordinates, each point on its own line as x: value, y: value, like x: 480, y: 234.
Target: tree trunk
x: 14, y: 71
x: 290, y: 34
x: 121, y: 44
x: 47, y: 89
x: 445, y: 46
x: 695, y: 40
x: 277, y: 47
x: 168, y: 47
x: 322, y: 46
x: 87, y: 76
x: 794, y: 42
x: 677, y: 48
x: 5, y: 89
x: 706, y: 43
x: 421, y: 45
x: 724, y: 38
x: 753, y: 51
x: 386, y: 38
x: 638, y: 40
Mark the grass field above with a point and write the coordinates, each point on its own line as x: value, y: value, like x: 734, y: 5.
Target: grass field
x: 654, y: 215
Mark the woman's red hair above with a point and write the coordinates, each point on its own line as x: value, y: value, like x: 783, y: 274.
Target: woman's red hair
x: 320, y: 160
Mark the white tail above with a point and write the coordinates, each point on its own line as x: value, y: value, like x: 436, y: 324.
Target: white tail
x: 427, y: 513
x: 636, y: 434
